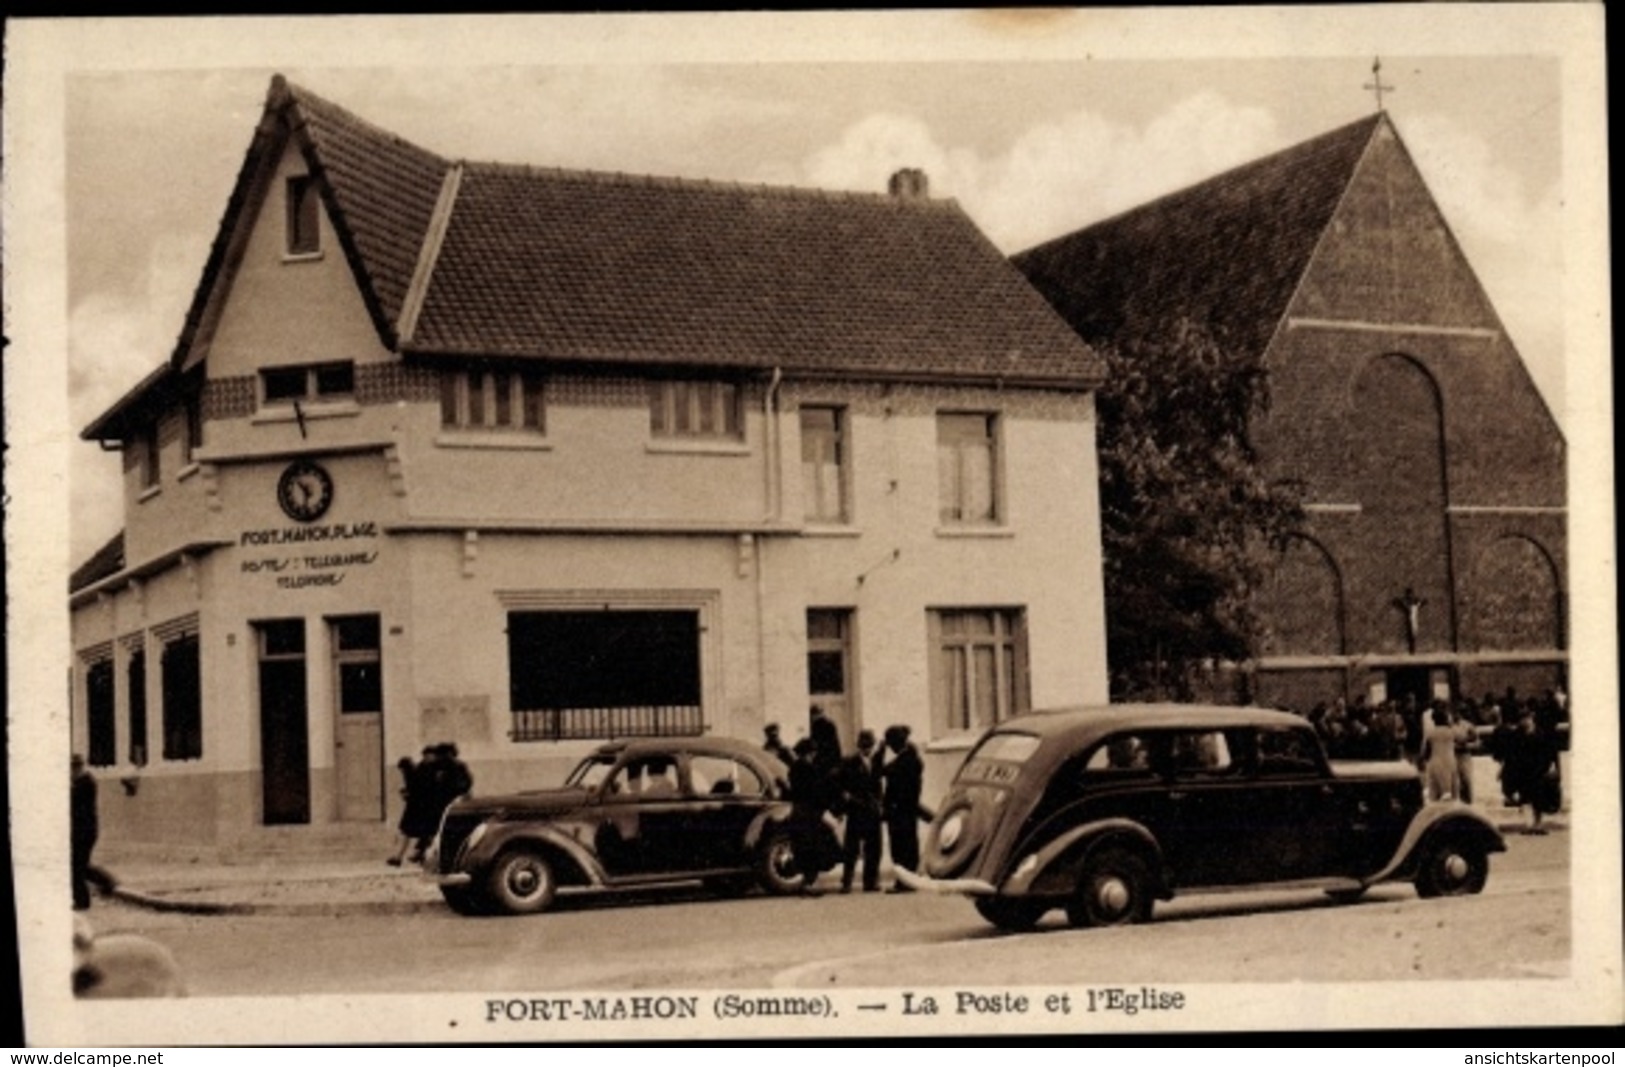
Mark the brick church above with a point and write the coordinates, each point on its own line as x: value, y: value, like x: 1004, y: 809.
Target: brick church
x: 1433, y: 560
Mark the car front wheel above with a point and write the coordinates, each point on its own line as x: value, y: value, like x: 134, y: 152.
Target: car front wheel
x: 776, y: 866
x: 1114, y: 889
x: 521, y: 882
x: 1452, y: 867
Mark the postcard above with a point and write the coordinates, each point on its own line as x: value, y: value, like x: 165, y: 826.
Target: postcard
x: 817, y: 525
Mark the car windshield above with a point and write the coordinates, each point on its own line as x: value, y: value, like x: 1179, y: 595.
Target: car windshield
x: 591, y: 772
x: 1008, y: 748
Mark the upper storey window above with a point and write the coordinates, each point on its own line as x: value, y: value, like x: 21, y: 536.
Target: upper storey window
x: 312, y: 381
x: 823, y: 463
x: 967, y: 469
x: 494, y: 400
x: 304, y: 233
x: 695, y: 410
x: 149, y: 456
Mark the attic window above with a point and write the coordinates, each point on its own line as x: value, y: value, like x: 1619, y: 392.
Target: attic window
x: 304, y: 235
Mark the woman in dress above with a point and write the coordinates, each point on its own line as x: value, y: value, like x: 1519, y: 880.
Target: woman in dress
x: 1439, y: 770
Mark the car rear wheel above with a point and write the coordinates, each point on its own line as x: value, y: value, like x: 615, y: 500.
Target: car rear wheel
x: 1114, y: 889
x: 464, y: 900
x: 1015, y: 914
x: 1452, y: 867
x: 521, y: 882
x: 776, y: 866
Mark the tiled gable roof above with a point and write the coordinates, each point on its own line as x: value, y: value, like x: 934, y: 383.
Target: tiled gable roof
x: 573, y: 265
x: 1227, y: 253
x: 380, y: 192
x: 103, y: 563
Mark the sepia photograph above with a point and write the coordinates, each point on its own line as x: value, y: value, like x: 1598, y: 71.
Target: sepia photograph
x: 810, y: 525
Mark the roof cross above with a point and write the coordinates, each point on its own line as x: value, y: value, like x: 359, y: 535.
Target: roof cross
x: 1375, y: 84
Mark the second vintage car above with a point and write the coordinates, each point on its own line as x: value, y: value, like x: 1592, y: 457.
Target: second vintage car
x: 632, y: 814
x: 1102, y: 811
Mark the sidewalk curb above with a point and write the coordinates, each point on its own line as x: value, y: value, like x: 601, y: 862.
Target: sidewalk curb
x: 336, y: 909
x: 184, y: 907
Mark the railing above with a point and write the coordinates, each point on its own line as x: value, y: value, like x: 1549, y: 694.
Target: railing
x: 577, y: 724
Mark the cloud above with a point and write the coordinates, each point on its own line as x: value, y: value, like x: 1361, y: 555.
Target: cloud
x: 1055, y: 176
x: 1511, y: 235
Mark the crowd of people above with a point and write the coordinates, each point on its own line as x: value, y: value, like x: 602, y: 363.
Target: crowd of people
x: 428, y: 785
x: 1443, y: 737
x: 871, y: 794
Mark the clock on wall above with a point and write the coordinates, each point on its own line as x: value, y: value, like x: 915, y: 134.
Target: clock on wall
x: 305, y: 490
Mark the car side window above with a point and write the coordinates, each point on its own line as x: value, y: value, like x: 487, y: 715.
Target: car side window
x: 719, y: 776
x: 1200, y: 754
x: 1123, y: 755
x: 645, y: 778
x: 1286, y: 752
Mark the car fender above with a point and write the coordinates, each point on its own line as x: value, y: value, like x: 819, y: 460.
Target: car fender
x: 551, y: 838
x: 1036, y: 874
x: 1432, y: 820
x: 768, y: 819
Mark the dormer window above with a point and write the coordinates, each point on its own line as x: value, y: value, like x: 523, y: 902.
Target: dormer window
x: 304, y: 233
x: 314, y: 381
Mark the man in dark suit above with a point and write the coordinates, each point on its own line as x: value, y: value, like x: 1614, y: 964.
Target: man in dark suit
x: 861, y: 799
x: 904, y: 775
x: 83, y: 831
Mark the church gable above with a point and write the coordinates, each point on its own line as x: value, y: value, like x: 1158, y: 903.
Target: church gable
x: 1387, y: 256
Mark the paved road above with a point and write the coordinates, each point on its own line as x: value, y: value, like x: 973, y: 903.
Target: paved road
x: 1519, y: 927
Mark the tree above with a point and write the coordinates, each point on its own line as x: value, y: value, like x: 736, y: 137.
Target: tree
x: 1190, y: 523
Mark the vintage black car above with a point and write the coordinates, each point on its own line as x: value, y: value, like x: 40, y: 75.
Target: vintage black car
x: 632, y: 814
x: 1102, y: 811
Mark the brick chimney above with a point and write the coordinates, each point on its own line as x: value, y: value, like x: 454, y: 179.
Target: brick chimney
x: 910, y: 183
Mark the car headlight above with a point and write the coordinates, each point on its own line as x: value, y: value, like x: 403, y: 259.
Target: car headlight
x: 474, y: 838
x: 953, y: 827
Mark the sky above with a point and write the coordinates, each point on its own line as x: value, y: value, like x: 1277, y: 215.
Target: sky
x: 1033, y: 141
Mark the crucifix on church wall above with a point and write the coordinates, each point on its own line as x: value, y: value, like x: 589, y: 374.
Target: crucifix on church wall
x: 1412, y: 606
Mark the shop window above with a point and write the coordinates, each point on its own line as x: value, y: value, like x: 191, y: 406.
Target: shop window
x: 498, y: 400
x: 980, y: 674
x: 695, y: 410
x: 592, y: 674
x: 136, y: 675
x: 823, y: 464
x: 314, y: 381
x: 304, y: 216
x: 967, y: 469
x: 182, y: 699
x: 101, y: 748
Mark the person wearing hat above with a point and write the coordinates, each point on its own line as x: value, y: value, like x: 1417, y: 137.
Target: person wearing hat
x: 860, y: 799
x: 904, y: 777
x: 775, y: 747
